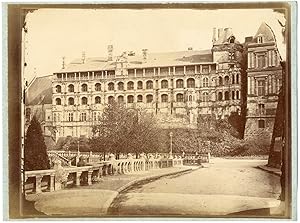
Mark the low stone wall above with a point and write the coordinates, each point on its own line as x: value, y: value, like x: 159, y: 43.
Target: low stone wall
x: 60, y: 177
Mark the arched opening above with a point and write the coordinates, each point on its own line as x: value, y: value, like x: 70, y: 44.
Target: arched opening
x: 149, y: 98
x: 190, y: 83
x: 226, y: 95
x: 139, y: 85
x: 120, y: 86
x: 140, y: 98
x: 58, y: 101
x: 120, y: 99
x: 164, y: 84
x: 164, y: 98
x: 179, y: 97
x: 84, y: 101
x: 71, y: 88
x: 129, y: 99
x: 205, y: 82
x: 130, y: 85
x: 237, y: 95
x: 97, y: 87
x: 84, y: 88
x: 179, y: 83
x: 58, y: 89
x: 111, y: 86
x: 190, y: 98
x: 97, y: 100
x: 71, y: 101
x: 226, y: 80
x: 149, y: 85
x: 111, y: 99
x: 220, y: 96
x: 220, y: 81
x: 205, y: 97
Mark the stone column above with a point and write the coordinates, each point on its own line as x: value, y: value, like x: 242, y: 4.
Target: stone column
x: 184, y: 70
x: 249, y: 85
x: 174, y: 70
x: 51, y: 187
x: 253, y: 91
x: 89, y: 181
x: 144, y: 72
x: 195, y: 69
x: 169, y: 70
x: 78, y: 174
x: 158, y: 71
x: 267, y: 85
x: 134, y: 72
x: 38, y: 184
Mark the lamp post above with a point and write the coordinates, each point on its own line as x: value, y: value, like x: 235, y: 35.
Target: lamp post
x: 171, y: 149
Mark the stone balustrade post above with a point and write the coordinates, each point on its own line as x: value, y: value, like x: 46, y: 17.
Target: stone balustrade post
x: 131, y: 162
x: 78, y: 175
x: 89, y: 180
x: 100, y: 172
x: 112, y: 160
x: 52, y: 182
x: 143, y: 163
x: 38, y: 184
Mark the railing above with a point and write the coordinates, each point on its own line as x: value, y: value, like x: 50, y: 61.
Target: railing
x: 38, y: 181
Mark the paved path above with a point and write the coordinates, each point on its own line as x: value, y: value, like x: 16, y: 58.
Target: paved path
x: 224, y: 187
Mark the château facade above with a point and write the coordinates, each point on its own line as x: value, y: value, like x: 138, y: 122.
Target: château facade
x: 174, y: 86
x: 264, y: 80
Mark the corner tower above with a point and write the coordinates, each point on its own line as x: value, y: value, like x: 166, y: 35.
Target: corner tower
x: 227, y: 54
x: 264, y: 79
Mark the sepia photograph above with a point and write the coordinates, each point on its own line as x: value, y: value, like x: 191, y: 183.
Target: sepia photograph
x: 151, y: 111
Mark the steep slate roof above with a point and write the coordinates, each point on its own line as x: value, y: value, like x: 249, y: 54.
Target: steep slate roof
x: 226, y: 34
x: 153, y: 60
x: 265, y: 31
x: 39, y: 91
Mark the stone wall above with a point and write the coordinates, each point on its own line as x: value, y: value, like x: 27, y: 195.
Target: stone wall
x: 261, y: 136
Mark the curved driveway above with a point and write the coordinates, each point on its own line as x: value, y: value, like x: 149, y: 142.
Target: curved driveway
x: 223, y: 187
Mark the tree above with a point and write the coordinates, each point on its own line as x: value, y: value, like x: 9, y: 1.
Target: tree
x: 124, y: 130
x: 35, y: 150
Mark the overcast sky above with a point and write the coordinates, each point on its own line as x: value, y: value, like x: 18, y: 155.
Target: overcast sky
x: 54, y: 33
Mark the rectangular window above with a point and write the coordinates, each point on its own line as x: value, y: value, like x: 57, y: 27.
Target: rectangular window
x: 205, y: 69
x: 261, y: 109
x: 261, y: 124
x: 83, y: 117
x: 71, y: 117
x: 261, y: 88
x: 261, y: 61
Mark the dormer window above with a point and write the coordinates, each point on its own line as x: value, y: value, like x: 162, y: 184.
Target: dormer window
x: 259, y: 39
x: 231, y: 39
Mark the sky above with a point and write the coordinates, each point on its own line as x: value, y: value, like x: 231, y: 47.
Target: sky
x: 56, y: 33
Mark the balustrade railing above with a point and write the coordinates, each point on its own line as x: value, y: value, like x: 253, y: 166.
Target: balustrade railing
x: 60, y: 177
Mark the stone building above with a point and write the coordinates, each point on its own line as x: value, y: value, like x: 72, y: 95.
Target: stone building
x: 38, y: 102
x: 264, y: 79
x: 175, y: 86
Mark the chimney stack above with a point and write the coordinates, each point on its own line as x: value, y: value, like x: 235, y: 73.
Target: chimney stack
x: 145, y: 54
x: 110, y: 52
x: 220, y: 32
x: 63, y: 62
x: 83, y: 57
x: 214, y: 37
